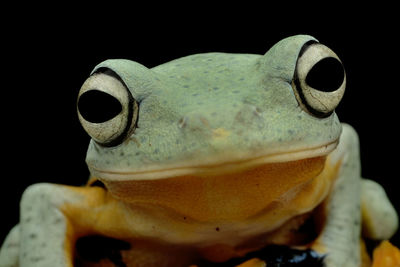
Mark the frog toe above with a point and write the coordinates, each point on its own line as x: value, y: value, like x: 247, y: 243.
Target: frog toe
x: 386, y: 255
x: 380, y: 220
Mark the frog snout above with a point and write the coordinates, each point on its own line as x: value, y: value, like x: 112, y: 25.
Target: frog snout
x: 215, y: 126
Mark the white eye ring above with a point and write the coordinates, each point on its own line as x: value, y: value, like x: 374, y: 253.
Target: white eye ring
x: 112, y: 131
x: 318, y: 101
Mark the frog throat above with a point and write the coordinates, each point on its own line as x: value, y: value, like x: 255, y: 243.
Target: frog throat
x: 237, y: 191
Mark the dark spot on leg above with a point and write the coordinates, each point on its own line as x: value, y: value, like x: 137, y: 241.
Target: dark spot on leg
x: 32, y: 236
x: 217, y: 229
x: 37, y: 259
x: 58, y: 220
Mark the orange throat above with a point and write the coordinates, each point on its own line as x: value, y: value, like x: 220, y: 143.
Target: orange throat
x: 270, y: 192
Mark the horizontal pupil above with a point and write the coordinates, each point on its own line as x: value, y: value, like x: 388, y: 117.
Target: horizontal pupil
x: 97, y: 106
x: 327, y: 75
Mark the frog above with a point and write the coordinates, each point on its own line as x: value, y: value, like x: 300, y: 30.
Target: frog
x: 209, y: 158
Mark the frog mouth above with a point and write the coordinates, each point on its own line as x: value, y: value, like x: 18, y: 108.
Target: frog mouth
x: 248, y: 189
x: 214, y: 166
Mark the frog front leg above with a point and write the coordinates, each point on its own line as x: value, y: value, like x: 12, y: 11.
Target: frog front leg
x: 40, y: 239
x: 354, y: 202
x: 52, y: 217
x: 339, y: 239
x: 9, y: 251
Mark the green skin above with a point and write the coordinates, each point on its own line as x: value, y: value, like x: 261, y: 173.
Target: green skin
x: 214, y: 87
x: 185, y: 105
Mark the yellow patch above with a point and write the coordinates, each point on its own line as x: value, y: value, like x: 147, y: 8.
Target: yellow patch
x: 253, y: 263
x: 220, y: 133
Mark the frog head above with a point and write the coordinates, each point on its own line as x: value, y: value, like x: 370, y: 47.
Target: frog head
x: 212, y: 115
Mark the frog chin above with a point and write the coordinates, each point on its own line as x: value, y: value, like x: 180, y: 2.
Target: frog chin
x: 212, y: 165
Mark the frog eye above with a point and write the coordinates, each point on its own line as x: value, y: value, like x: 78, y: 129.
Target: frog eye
x: 106, y: 108
x: 320, y: 80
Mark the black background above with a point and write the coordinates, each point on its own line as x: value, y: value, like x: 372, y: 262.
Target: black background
x: 47, y: 55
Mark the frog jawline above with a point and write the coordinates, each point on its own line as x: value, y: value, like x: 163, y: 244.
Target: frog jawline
x: 228, y: 166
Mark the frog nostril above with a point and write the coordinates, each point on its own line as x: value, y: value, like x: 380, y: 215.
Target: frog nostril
x: 182, y: 122
x: 97, y: 106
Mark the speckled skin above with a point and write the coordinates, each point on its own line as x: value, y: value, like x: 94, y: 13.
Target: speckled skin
x: 183, y: 103
x: 209, y: 118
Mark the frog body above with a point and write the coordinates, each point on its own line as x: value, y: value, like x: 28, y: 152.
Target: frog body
x: 208, y: 158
